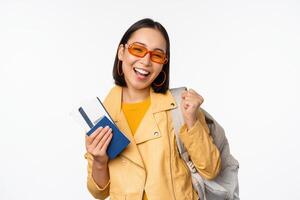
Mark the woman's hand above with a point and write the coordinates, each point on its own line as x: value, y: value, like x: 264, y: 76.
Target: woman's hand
x: 97, y: 143
x: 190, y: 104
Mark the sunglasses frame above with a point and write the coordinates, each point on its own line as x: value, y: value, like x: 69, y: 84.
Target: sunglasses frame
x: 147, y: 51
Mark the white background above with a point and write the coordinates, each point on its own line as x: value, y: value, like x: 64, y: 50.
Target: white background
x: 242, y: 56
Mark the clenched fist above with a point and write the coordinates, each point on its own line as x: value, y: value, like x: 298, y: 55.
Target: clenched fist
x: 190, y: 104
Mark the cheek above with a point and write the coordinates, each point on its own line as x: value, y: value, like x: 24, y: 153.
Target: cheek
x: 127, y: 64
x: 157, y: 70
x: 129, y: 59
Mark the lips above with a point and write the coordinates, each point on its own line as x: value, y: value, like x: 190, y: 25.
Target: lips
x: 141, y: 71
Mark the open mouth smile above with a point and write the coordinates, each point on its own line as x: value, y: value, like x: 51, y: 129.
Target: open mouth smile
x: 141, y: 72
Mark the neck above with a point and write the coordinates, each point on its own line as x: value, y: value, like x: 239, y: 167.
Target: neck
x: 131, y: 95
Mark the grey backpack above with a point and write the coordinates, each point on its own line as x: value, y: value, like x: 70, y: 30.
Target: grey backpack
x: 225, y: 186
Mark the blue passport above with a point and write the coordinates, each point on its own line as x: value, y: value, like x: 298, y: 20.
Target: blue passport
x: 118, y: 142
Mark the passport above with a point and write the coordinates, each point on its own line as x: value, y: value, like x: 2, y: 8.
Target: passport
x: 118, y: 142
x: 95, y: 115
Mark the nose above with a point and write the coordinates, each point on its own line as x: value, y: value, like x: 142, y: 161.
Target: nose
x: 146, y: 59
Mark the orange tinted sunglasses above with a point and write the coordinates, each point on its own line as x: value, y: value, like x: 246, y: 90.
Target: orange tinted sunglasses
x: 141, y: 51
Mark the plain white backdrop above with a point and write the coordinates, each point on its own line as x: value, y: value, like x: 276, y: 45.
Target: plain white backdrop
x: 242, y: 56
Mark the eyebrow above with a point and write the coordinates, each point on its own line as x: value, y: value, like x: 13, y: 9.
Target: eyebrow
x: 146, y: 45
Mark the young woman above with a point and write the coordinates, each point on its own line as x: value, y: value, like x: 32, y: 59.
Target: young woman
x: 150, y: 167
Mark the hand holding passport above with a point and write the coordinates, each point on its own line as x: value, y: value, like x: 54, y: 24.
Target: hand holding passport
x: 94, y: 115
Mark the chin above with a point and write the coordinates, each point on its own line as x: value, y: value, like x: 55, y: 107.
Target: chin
x: 141, y: 86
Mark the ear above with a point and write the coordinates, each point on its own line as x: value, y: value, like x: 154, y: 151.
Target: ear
x: 121, y: 52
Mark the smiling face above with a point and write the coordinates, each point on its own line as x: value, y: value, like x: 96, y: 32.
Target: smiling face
x: 140, y: 72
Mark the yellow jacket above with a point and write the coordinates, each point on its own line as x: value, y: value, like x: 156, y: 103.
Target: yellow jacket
x: 151, y: 162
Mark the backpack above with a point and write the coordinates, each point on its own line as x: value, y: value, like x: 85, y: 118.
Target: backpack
x: 225, y: 186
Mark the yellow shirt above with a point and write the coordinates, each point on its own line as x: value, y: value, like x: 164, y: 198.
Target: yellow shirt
x: 134, y: 113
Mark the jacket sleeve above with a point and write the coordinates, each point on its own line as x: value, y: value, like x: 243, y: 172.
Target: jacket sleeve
x: 201, y: 149
x: 94, y: 189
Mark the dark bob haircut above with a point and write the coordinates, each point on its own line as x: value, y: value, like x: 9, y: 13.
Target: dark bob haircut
x: 145, y: 23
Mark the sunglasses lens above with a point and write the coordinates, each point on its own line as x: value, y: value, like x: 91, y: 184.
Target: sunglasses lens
x: 158, y: 57
x: 137, y: 50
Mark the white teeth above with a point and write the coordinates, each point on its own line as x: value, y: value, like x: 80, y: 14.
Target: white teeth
x: 141, y: 71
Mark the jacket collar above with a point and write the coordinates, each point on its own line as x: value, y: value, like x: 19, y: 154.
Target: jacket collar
x: 159, y: 102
